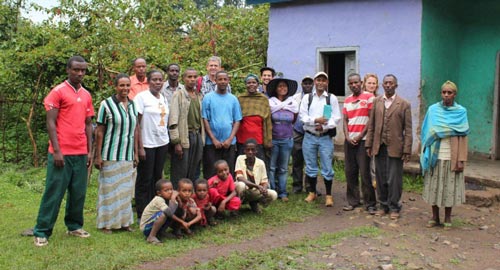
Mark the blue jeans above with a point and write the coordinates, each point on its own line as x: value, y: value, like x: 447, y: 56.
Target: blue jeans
x: 279, y: 165
x: 312, y: 146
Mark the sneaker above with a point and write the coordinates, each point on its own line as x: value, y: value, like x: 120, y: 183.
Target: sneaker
x: 348, y: 208
x: 310, y: 197
x: 79, y: 233
x: 372, y: 210
x: 329, y: 201
x: 284, y: 199
x: 41, y: 241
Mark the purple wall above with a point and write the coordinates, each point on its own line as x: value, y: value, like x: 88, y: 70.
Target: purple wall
x: 387, y: 33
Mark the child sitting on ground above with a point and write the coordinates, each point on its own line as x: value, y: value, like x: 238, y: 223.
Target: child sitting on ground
x: 202, y: 199
x: 251, y: 176
x: 222, y: 189
x: 187, y: 213
x: 157, y: 215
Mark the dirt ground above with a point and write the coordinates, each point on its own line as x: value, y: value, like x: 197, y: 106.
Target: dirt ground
x: 473, y: 242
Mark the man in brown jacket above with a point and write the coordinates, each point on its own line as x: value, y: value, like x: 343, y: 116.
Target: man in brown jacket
x: 389, y: 140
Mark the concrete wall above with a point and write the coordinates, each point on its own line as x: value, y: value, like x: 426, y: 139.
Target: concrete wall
x: 387, y: 33
x: 461, y: 44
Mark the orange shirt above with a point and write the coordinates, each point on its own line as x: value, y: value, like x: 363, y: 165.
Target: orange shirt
x: 74, y: 107
x: 136, y: 86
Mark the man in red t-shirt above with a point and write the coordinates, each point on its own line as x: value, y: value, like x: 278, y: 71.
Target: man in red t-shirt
x: 69, y: 114
x: 356, y: 115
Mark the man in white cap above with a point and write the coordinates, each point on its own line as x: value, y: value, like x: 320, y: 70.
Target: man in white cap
x: 320, y: 113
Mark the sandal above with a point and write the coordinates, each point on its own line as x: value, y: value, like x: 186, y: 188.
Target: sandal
x: 127, y: 229
x: 79, y: 233
x: 447, y: 226
x: 212, y: 222
x: 432, y: 223
x: 154, y: 241
x: 27, y: 232
x: 41, y: 241
x: 106, y: 231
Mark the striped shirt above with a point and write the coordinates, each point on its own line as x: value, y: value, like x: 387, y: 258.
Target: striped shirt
x: 357, y: 110
x: 118, y: 142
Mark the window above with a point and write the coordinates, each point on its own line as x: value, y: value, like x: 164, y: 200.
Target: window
x: 338, y: 63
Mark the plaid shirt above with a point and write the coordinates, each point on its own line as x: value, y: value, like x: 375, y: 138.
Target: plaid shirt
x: 208, y: 86
x: 257, y: 104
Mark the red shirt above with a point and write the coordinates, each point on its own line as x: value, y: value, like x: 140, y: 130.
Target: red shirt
x: 250, y: 127
x: 74, y: 107
x: 224, y: 187
x: 357, y: 110
x: 136, y: 86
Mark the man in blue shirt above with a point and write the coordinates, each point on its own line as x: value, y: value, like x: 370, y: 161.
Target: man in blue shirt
x: 221, y: 113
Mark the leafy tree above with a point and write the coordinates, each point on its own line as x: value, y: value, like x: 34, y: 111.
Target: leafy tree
x: 109, y: 34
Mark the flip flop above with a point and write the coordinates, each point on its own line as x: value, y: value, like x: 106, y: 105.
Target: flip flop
x: 447, y: 226
x: 432, y: 223
x: 154, y: 241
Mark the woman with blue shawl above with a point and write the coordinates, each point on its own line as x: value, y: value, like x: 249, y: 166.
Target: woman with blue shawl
x: 444, y: 151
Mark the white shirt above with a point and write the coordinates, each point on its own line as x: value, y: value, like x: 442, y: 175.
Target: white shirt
x: 154, y: 121
x: 388, y: 101
x: 316, y: 110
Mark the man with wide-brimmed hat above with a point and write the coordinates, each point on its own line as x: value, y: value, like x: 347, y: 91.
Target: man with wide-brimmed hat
x: 320, y: 113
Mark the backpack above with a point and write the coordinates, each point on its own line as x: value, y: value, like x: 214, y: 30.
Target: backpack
x: 331, y: 132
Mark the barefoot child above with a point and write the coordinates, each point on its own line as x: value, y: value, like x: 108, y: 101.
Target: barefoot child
x: 187, y: 213
x: 251, y: 176
x: 202, y: 199
x: 157, y: 215
x: 222, y: 189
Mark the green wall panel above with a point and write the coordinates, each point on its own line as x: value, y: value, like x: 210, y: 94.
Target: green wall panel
x: 460, y: 41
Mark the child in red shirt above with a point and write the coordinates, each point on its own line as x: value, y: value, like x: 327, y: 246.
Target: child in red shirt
x: 222, y: 189
x: 202, y: 199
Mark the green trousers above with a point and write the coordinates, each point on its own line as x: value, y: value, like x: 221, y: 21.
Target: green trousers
x: 73, y: 178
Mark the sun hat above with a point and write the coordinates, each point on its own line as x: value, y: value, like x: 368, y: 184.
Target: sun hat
x: 273, y: 85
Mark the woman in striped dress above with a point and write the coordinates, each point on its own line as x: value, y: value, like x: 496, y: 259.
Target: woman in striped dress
x: 116, y: 157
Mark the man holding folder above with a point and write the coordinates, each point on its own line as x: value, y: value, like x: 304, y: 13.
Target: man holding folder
x: 320, y: 113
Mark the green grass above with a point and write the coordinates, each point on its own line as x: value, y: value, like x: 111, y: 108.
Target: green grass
x: 293, y: 256
x: 20, y: 194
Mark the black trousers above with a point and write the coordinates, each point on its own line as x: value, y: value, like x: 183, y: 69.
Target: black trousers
x: 357, y: 163
x: 297, y: 163
x: 389, y: 180
x: 148, y: 172
x: 211, y: 155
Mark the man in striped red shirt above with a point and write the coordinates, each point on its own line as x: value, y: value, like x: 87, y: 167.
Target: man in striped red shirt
x: 356, y: 113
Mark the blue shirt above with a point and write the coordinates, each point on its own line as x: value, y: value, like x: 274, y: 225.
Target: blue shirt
x: 221, y: 111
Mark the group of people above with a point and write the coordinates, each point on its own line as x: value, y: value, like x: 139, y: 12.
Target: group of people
x: 243, y: 145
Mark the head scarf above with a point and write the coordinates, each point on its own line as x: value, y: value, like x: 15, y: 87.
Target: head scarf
x: 451, y: 85
x: 251, y: 76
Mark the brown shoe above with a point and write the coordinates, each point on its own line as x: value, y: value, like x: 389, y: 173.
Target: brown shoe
x: 329, y: 201
x: 310, y: 197
x: 394, y: 215
x: 380, y: 213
